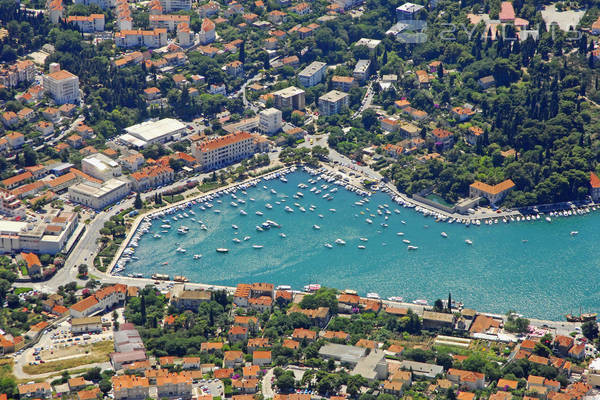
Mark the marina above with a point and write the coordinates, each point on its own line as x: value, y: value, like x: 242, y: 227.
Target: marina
x: 524, y: 261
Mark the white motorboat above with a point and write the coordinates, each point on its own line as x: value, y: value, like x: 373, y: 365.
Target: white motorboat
x: 257, y: 246
x: 400, y: 233
x: 406, y: 241
x: 364, y: 239
x: 468, y: 241
x: 373, y: 296
x: 236, y: 240
x: 412, y: 247
x: 222, y: 250
x: 259, y: 213
x: 317, y: 227
x: 340, y: 242
x: 574, y: 233
x: 283, y: 235
x: 444, y: 234
x: 369, y: 221
x: 234, y: 226
x: 360, y: 246
x: 246, y: 238
x: 156, y: 236
x: 197, y: 256
x: 328, y: 245
x: 181, y: 250
x: 268, y: 206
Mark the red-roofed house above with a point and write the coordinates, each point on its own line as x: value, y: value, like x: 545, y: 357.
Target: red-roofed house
x: 469, y: 379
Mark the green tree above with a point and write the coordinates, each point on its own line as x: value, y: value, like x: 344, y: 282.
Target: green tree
x: 590, y: 329
x: 82, y: 269
x: 138, y: 201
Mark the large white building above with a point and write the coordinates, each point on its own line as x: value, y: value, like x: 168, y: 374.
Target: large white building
x: 270, y: 121
x: 63, y: 86
x: 138, y: 38
x: 149, y: 132
x: 176, y: 5
x: 333, y: 102
x: 313, y: 74
x: 99, y: 196
x: 100, y: 166
x: 91, y: 23
x: 48, y: 235
x: 225, y: 150
x: 103, y: 4
x: 207, y: 32
x: 361, y: 70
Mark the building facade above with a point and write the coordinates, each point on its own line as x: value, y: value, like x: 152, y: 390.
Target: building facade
x: 225, y: 150
x: 313, y: 74
x: 63, y: 86
x: 270, y: 121
x: 333, y: 102
x: 99, y: 195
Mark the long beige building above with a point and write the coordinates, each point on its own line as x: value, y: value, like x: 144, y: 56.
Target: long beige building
x: 98, y: 196
x: 225, y: 150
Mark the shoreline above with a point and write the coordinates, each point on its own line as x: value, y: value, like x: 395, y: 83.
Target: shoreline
x: 328, y: 170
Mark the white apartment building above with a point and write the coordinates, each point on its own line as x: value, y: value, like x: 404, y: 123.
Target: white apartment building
x: 225, y: 150
x: 313, y: 74
x: 100, y: 166
x: 168, y: 21
x: 290, y: 97
x: 207, y: 32
x: 103, y: 4
x: 270, y: 121
x: 176, y: 5
x: 98, y: 196
x: 333, y: 102
x: 63, y: 86
x: 185, y: 36
x: 361, y: 70
x: 137, y: 38
x: 87, y: 24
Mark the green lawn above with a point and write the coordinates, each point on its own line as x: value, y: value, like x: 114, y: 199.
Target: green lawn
x: 20, y: 290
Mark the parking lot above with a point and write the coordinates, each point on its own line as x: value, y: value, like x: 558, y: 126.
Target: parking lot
x: 212, y: 387
x: 61, y: 344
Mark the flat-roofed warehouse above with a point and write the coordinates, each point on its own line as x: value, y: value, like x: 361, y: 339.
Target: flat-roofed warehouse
x: 160, y: 131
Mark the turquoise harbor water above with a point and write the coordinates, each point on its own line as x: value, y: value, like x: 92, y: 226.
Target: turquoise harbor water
x: 551, y: 274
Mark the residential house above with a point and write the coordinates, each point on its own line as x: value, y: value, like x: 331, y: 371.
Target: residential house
x: 494, y: 193
x: 261, y: 357
x: 443, y: 138
x: 233, y: 358
x: 469, y: 379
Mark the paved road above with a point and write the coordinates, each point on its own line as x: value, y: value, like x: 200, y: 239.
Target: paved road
x: 267, y: 388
